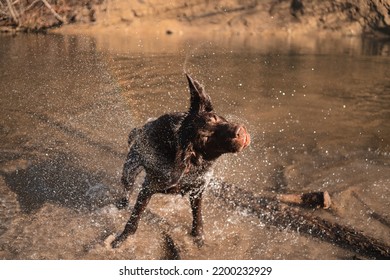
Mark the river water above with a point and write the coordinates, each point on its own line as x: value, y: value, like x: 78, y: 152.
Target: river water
x: 318, y: 112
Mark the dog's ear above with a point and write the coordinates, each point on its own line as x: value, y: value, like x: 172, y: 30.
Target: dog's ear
x: 186, y: 156
x: 200, y: 101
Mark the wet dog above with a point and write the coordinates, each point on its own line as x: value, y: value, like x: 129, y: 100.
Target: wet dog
x: 177, y: 151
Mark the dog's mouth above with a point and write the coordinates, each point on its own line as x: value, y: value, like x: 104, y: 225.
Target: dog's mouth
x: 247, y: 140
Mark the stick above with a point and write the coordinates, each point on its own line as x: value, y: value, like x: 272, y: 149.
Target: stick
x: 57, y: 16
x: 31, y: 5
x: 12, y: 11
x: 371, y: 212
x: 307, y: 200
x: 272, y: 212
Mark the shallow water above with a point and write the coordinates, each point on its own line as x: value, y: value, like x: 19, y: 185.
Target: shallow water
x: 318, y: 112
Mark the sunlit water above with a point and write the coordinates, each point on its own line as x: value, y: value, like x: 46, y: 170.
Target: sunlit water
x: 318, y: 114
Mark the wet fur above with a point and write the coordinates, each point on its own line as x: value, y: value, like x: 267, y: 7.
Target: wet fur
x: 177, y: 151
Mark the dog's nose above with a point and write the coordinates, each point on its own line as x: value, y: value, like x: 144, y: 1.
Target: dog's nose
x: 242, y: 135
x: 240, y: 131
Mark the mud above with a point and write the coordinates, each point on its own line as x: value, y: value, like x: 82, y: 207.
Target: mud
x: 229, y: 17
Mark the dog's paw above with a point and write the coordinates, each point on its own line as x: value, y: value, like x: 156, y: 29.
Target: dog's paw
x: 118, y: 241
x: 109, y: 240
x: 199, y: 240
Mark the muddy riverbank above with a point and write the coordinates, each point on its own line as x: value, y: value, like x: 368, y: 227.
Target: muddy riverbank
x: 249, y: 17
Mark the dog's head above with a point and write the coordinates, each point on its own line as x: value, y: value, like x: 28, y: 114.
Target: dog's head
x: 204, y: 135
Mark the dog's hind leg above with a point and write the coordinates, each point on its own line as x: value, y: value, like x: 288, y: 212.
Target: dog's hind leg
x: 133, y: 135
x: 131, y: 169
x: 132, y: 166
x: 139, y: 207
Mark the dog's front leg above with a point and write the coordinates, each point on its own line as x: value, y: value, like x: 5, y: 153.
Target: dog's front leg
x: 197, y: 222
x: 132, y: 225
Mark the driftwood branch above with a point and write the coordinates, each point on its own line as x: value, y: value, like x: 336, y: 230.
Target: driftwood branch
x: 10, y: 10
x: 271, y: 211
x: 31, y: 5
x: 371, y: 212
x: 307, y: 200
x: 57, y: 16
x: 13, y: 12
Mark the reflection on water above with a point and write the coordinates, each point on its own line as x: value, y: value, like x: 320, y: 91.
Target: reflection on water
x: 318, y: 112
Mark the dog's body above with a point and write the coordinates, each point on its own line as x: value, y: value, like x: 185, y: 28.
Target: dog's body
x: 177, y: 152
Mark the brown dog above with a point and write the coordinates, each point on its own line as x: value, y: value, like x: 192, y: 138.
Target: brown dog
x: 177, y: 151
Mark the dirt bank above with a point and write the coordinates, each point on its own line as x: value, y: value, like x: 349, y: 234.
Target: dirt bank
x: 248, y: 17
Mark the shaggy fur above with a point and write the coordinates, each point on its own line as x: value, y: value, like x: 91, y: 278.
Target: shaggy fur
x: 177, y: 151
